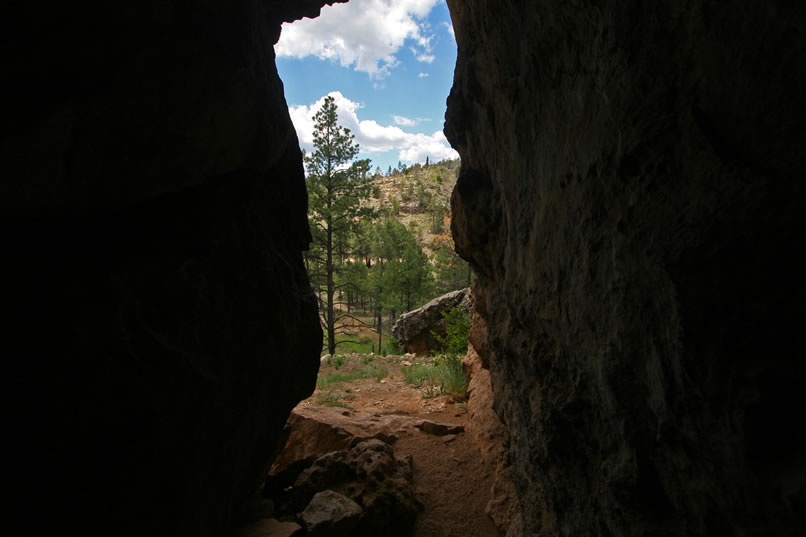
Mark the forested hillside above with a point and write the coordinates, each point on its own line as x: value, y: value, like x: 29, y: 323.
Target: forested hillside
x: 382, y: 243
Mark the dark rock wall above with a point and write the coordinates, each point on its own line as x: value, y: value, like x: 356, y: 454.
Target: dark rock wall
x: 159, y: 325
x: 631, y: 197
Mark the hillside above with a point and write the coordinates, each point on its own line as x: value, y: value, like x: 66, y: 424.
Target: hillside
x: 419, y: 198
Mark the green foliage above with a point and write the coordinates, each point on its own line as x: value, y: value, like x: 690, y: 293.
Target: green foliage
x: 457, y: 332
x: 408, y: 194
x: 402, y: 277
x: 335, y: 360
x: 423, y: 195
x: 452, y: 272
x: 337, y: 186
x: 392, y: 347
x: 451, y: 376
x: 445, y: 376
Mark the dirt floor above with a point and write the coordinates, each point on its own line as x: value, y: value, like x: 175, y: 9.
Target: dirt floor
x: 449, y: 475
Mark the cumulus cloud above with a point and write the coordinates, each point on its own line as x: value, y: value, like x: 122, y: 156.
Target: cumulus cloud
x: 365, y: 34
x: 449, y: 27
x: 371, y: 136
x: 423, y: 75
x: 426, y: 58
x: 403, y: 120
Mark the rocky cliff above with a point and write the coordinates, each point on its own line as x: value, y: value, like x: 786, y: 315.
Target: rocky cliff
x: 631, y: 197
x: 159, y: 322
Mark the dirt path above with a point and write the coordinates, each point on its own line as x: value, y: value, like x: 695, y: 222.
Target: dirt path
x: 449, y: 474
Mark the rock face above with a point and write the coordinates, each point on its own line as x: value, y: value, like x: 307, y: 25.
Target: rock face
x: 412, y: 331
x: 632, y: 199
x: 153, y: 215
x: 491, y: 437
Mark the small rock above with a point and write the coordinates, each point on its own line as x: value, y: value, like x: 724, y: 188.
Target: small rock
x: 440, y: 429
x: 329, y: 513
x: 449, y: 438
x: 271, y: 527
x: 405, y: 363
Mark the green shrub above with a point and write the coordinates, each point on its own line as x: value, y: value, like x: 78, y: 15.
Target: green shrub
x: 457, y: 332
x: 392, y: 347
x: 336, y: 360
x: 451, y: 376
x: 445, y: 376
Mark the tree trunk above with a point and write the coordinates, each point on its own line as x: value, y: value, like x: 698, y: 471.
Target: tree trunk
x: 330, y: 317
x: 380, y: 331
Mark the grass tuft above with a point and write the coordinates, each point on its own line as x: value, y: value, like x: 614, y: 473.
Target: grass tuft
x: 445, y: 376
x: 372, y: 371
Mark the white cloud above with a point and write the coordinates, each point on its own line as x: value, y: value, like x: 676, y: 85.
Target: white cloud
x: 426, y: 58
x: 423, y: 75
x: 365, y: 34
x: 403, y: 120
x: 370, y: 135
x: 449, y: 27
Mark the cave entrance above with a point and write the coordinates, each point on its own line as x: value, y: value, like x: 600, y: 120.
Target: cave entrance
x: 383, y: 446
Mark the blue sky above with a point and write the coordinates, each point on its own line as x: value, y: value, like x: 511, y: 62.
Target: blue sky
x: 389, y: 65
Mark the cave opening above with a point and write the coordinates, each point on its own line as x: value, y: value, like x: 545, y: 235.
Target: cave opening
x: 631, y: 196
x: 391, y: 402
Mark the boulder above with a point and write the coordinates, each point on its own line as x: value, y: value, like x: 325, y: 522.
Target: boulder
x: 330, y: 514
x: 369, y: 474
x: 315, y: 431
x: 413, y: 330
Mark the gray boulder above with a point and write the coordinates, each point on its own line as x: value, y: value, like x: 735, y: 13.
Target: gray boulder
x: 330, y: 513
x: 413, y: 330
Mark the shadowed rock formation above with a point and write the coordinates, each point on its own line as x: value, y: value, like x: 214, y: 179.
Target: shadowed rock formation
x: 632, y: 199
x: 160, y: 325
x: 414, y: 330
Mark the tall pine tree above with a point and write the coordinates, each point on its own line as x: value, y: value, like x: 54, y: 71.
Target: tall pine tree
x: 336, y: 187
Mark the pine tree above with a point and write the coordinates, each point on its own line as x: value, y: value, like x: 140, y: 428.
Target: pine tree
x: 336, y: 187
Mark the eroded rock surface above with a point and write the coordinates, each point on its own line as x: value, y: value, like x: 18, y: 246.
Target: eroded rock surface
x: 368, y: 474
x: 631, y: 198
x: 153, y: 214
x: 329, y: 514
x: 413, y: 330
x: 493, y: 441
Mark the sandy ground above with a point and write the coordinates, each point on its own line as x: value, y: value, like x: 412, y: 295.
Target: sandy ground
x: 449, y: 475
